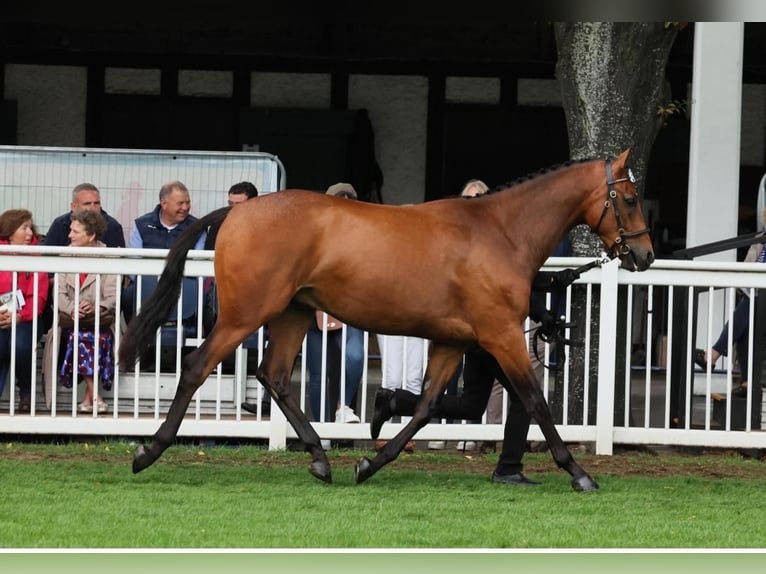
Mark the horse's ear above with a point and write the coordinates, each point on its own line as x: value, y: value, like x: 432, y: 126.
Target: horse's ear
x: 624, y: 157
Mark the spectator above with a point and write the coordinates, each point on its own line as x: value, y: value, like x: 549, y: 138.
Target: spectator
x: 354, y: 350
x: 159, y: 229
x: 739, y: 329
x: 17, y: 311
x: 354, y: 359
x: 85, y: 196
x: 403, y: 365
x: 238, y: 193
x: 93, y: 297
x: 472, y: 188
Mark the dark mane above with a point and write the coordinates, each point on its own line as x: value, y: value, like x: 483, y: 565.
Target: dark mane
x: 535, y: 174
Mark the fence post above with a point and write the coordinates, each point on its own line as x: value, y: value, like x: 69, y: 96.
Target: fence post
x: 277, y: 428
x: 607, y: 353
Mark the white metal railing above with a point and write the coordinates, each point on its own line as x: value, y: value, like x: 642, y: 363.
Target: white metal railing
x: 583, y: 397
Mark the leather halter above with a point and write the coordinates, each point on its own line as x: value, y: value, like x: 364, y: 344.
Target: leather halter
x: 620, y: 245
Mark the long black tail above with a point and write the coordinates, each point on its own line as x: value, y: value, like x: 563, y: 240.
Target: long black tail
x: 141, y: 331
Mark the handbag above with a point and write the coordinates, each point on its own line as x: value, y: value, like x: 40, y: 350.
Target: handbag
x: 107, y: 318
x: 333, y: 324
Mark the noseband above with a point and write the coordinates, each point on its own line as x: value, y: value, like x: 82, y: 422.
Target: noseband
x: 620, y: 245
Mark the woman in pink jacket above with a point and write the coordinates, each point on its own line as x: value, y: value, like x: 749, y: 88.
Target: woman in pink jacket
x: 16, y: 228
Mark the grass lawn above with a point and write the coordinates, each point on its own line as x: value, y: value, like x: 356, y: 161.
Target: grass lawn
x: 85, y: 496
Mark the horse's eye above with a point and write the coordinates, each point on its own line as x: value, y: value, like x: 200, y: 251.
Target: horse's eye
x: 631, y: 200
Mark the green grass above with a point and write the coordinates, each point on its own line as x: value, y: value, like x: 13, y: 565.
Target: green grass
x: 78, y: 496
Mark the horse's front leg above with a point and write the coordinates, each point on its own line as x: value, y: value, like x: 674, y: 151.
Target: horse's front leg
x: 581, y: 480
x: 442, y: 364
x: 514, y: 360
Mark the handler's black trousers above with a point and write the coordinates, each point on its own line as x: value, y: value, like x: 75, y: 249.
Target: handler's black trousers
x: 479, y: 373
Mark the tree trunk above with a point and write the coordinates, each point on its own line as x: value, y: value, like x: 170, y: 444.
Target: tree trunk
x: 612, y: 80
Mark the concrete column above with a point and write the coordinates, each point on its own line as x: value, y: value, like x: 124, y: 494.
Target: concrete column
x: 716, y: 106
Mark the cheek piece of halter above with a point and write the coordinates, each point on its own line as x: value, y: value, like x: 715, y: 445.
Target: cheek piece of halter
x: 620, y: 245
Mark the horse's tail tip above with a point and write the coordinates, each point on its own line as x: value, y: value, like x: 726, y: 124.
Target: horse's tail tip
x: 127, y: 355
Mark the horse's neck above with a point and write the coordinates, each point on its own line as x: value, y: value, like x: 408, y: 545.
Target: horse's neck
x: 544, y: 210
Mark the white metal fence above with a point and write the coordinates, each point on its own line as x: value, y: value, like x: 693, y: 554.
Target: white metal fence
x: 614, y: 395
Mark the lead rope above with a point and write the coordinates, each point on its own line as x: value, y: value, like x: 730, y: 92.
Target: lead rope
x: 557, y: 337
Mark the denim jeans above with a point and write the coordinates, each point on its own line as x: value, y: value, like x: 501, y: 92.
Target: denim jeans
x: 24, y: 371
x: 354, y: 367
x: 739, y: 327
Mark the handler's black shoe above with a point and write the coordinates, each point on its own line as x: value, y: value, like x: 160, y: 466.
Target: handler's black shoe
x: 382, y: 410
x: 517, y: 479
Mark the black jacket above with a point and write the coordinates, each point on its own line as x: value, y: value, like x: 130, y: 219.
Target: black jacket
x: 58, y: 232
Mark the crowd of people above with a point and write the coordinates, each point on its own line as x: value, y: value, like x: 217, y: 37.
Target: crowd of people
x: 79, y: 341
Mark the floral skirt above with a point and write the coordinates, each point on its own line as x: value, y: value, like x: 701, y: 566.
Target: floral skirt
x: 85, y: 357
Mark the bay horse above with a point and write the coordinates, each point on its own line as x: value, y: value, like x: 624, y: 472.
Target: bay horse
x: 455, y: 271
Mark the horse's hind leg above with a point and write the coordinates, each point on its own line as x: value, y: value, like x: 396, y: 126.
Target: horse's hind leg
x: 286, y: 333
x: 195, y: 368
x: 518, y: 369
x: 442, y: 364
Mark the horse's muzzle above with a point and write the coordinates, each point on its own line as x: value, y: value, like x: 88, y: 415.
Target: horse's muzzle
x: 636, y: 259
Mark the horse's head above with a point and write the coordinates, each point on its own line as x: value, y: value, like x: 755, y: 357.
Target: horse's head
x: 620, y: 223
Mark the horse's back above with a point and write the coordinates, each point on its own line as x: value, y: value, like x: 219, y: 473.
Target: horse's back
x: 376, y: 267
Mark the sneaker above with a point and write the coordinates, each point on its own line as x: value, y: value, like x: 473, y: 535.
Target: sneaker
x: 346, y: 414
x: 466, y: 445
x: 102, y: 407
x: 326, y: 445
x: 436, y: 444
x: 85, y: 408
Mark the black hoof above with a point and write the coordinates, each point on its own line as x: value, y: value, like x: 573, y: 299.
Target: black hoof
x: 321, y: 470
x: 363, y: 470
x: 382, y: 411
x: 584, y: 484
x: 141, y: 459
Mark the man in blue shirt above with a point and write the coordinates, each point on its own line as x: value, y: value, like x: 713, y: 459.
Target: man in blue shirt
x: 159, y: 229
